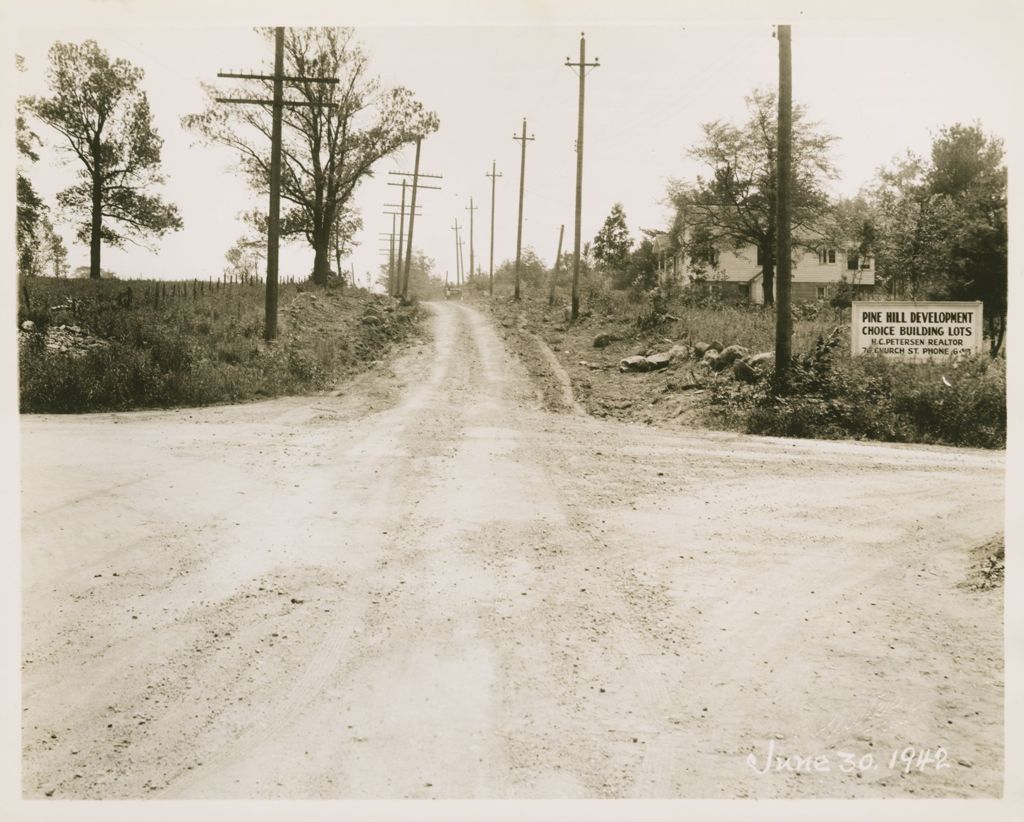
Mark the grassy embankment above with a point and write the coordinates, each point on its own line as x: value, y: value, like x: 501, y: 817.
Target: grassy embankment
x: 833, y: 395
x: 94, y: 348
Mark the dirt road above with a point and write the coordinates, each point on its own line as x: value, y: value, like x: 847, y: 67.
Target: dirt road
x: 429, y: 586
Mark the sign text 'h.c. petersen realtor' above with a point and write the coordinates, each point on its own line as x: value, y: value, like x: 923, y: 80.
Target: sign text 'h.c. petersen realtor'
x: 916, y: 330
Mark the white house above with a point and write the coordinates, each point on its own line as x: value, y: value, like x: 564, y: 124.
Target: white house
x: 816, y: 274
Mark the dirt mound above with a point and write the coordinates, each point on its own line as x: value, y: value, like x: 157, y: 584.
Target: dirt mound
x: 988, y: 564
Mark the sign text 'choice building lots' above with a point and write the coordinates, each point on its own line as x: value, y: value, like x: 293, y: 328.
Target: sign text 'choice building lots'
x: 916, y: 330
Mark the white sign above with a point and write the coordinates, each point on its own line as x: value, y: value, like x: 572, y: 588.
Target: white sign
x: 916, y: 331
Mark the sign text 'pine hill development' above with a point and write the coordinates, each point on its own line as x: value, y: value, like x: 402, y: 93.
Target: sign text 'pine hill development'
x: 916, y: 330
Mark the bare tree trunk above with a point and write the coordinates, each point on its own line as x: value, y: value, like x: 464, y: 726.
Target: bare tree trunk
x: 337, y: 261
x: 97, y: 217
x: 321, y: 257
x: 768, y: 277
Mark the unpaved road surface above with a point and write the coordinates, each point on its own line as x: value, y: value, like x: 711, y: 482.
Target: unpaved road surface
x: 429, y: 586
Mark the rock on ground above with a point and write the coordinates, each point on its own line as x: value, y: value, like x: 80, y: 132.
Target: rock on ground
x: 635, y: 363
x: 730, y: 355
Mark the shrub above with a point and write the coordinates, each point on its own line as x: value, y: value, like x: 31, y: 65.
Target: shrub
x: 833, y: 397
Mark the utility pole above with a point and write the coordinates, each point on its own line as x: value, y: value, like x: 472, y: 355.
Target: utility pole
x: 471, y: 208
x: 462, y: 261
x: 494, y: 175
x: 458, y: 255
x: 274, y: 213
x: 391, y: 257
x: 403, y: 210
x: 412, y: 219
x: 522, y: 178
x: 416, y: 186
x: 783, y: 277
x: 395, y: 287
x: 581, y: 68
x: 401, y: 237
x: 554, y: 271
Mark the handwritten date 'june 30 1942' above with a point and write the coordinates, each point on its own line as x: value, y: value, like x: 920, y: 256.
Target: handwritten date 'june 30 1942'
x: 904, y: 759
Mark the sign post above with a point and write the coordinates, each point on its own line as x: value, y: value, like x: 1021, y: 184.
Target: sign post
x: 916, y: 331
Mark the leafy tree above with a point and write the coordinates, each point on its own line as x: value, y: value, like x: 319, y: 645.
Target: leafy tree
x: 243, y: 260
x: 39, y: 246
x: 912, y: 229
x: 642, y: 266
x: 31, y: 210
x: 30, y: 215
x: 532, y: 271
x: 98, y: 106
x: 942, y: 224
x: 734, y: 205
x: 423, y: 281
x: 968, y: 177
x: 57, y: 252
x: 347, y: 225
x: 329, y: 146
x: 853, y: 224
x: 84, y: 272
x: 613, y: 243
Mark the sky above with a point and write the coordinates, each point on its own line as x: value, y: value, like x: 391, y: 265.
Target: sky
x: 882, y: 84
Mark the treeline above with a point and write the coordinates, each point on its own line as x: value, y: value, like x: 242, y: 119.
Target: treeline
x: 102, y: 119
x: 935, y: 226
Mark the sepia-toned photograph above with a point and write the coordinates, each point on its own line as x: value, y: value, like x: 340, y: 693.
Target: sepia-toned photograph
x: 548, y: 405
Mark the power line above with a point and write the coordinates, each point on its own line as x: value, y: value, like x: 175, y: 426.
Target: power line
x: 416, y: 186
x: 413, y: 174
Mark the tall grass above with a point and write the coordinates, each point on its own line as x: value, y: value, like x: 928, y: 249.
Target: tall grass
x: 178, y: 343
x: 751, y: 326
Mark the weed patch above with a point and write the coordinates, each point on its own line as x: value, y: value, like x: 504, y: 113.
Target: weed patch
x: 108, y: 345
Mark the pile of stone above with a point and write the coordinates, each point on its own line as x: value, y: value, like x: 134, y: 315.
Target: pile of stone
x: 745, y: 366
x: 736, y: 360
x: 62, y: 339
x: 655, y: 361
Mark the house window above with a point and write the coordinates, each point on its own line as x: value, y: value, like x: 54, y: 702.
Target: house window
x: 822, y: 292
x: 852, y: 261
x: 831, y: 255
x: 826, y: 255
